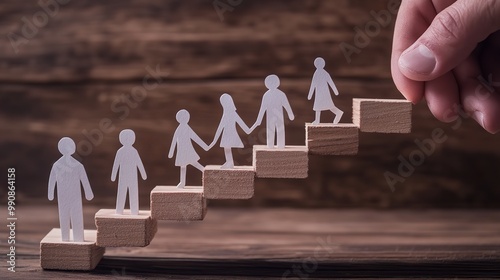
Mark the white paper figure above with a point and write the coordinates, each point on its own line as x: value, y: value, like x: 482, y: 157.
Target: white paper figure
x: 273, y: 103
x: 227, y: 128
x: 67, y: 174
x: 127, y: 162
x: 321, y: 83
x: 186, y: 154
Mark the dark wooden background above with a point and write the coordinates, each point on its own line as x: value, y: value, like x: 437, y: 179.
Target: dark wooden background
x: 92, y: 54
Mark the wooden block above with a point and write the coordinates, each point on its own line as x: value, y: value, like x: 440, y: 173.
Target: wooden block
x: 291, y: 162
x: 59, y: 255
x: 382, y: 115
x: 126, y: 230
x: 237, y: 183
x: 173, y: 204
x: 332, y: 139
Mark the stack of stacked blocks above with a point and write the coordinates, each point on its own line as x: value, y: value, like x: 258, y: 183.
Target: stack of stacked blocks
x: 169, y: 203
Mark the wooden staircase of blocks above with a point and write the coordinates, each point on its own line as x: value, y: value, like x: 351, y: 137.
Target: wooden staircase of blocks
x: 190, y: 204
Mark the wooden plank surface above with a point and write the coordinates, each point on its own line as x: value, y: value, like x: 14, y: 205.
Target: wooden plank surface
x: 271, y: 242
x: 115, y: 40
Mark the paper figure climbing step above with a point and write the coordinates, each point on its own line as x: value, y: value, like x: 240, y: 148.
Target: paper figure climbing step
x: 66, y: 176
x: 183, y: 142
x: 127, y: 162
x: 320, y: 89
x: 227, y: 130
x: 273, y: 104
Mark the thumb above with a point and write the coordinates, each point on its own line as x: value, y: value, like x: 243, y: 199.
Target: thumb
x: 450, y: 39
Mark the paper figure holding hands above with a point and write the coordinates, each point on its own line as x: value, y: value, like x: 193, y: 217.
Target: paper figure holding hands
x: 66, y: 175
x: 227, y: 128
x: 273, y: 103
x: 321, y: 83
x: 182, y: 141
x: 127, y: 162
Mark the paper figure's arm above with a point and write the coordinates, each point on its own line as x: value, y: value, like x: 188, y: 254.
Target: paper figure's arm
x: 288, y: 108
x: 198, y: 140
x: 243, y: 125
x: 116, y: 166
x: 262, y: 111
x: 173, y: 146
x: 140, y: 165
x: 217, y: 135
x: 332, y: 85
x: 312, y: 89
x: 89, y: 195
x: 52, y: 183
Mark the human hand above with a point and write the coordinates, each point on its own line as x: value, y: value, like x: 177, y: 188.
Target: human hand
x: 51, y: 196
x: 449, y: 61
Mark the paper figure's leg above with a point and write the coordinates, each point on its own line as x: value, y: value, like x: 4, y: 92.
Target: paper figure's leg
x: 271, y: 130
x: 77, y: 222
x: 64, y: 222
x: 280, y: 131
x: 229, y: 159
x: 120, y: 198
x: 318, y: 118
x: 182, y: 184
x: 198, y: 166
x: 133, y: 198
x: 338, y: 114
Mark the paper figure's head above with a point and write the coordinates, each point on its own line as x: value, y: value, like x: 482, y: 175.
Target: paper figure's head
x: 272, y: 82
x: 183, y: 116
x: 127, y: 137
x: 66, y: 146
x: 319, y: 63
x: 227, y: 102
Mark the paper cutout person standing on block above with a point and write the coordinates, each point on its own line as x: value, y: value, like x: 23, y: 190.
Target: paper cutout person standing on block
x: 273, y: 103
x: 186, y: 154
x: 127, y: 162
x: 227, y: 128
x: 321, y: 83
x: 67, y: 174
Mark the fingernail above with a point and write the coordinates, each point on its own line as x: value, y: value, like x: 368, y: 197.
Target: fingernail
x: 479, y: 118
x: 418, y: 60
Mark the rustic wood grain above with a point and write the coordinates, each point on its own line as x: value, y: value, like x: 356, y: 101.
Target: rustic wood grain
x: 116, y: 40
x: 382, y: 115
x: 291, y: 162
x: 236, y: 183
x: 270, y: 242
x: 58, y: 255
x: 332, y: 140
x: 169, y: 203
x: 125, y: 230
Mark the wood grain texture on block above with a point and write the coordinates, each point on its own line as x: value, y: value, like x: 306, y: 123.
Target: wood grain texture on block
x: 114, y: 230
x: 236, y: 183
x: 382, y: 115
x: 58, y: 255
x: 332, y: 139
x: 170, y: 203
x: 291, y: 162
